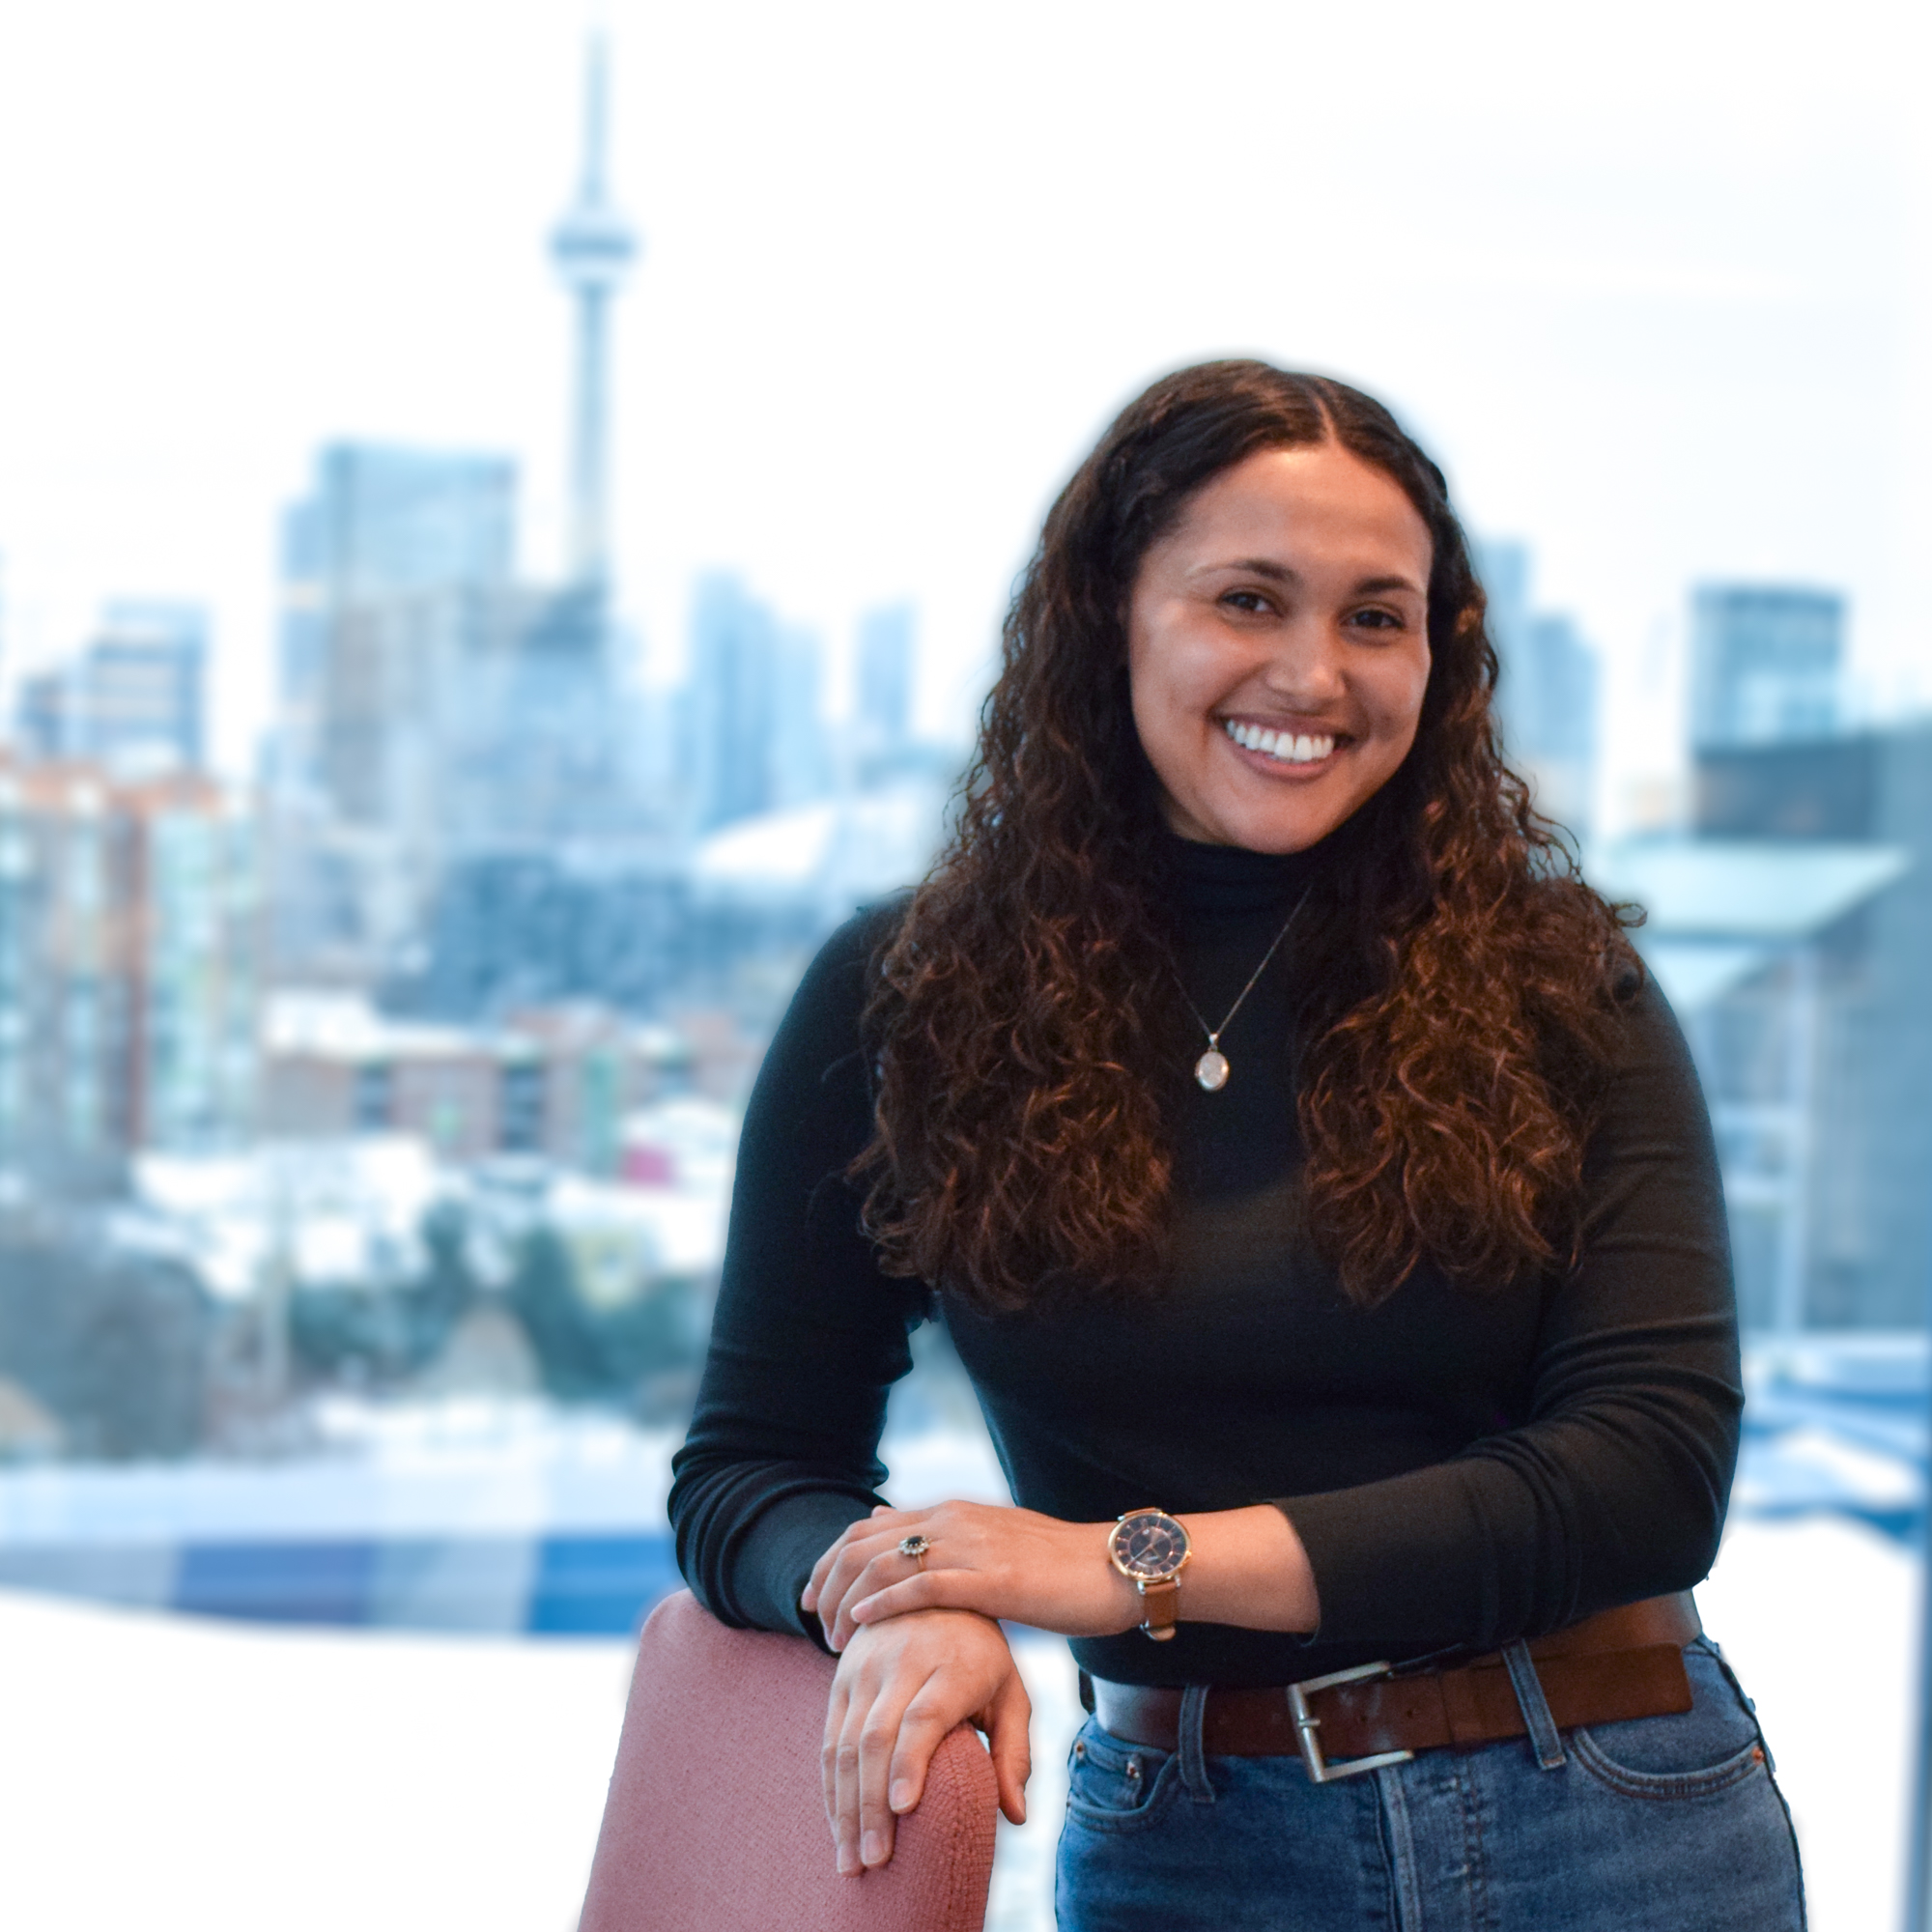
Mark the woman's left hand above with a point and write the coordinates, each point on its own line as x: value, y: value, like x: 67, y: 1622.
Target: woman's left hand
x: 1011, y: 1563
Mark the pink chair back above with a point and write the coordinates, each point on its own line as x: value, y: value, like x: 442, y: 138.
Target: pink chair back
x: 715, y: 1821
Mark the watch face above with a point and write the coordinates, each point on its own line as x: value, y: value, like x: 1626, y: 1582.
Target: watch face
x: 1149, y: 1544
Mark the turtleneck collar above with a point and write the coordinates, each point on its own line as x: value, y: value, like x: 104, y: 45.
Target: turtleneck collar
x: 1228, y: 881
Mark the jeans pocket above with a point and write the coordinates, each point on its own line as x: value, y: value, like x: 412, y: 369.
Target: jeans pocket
x: 1113, y: 1785
x: 1692, y: 1753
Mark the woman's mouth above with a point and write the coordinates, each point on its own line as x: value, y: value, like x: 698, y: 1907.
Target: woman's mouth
x: 1284, y: 748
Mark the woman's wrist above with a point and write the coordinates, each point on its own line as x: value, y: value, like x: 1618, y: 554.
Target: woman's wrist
x: 1247, y: 1567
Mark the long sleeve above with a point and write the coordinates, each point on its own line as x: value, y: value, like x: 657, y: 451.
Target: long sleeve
x: 808, y: 1337
x: 1613, y: 1485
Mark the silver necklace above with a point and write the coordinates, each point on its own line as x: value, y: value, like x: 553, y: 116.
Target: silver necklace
x: 1211, y: 1069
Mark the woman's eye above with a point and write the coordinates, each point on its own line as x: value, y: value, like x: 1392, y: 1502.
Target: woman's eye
x: 1244, y: 600
x: 1377, y: 620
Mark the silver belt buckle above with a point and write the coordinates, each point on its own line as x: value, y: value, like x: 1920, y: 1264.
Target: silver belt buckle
x: 1307, y: 1723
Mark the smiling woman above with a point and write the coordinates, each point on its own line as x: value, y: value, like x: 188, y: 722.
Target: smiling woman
x: 1400, y: 1349
x: 1278, y: 648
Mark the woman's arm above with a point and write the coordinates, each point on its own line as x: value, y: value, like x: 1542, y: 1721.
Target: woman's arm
x: 807, y: 1337
x: 1245, y: 1567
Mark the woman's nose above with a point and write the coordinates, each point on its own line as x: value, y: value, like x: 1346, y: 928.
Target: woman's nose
x: 1305, y: 668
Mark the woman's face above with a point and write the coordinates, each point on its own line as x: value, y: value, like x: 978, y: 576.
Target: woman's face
x: 1278, y: 647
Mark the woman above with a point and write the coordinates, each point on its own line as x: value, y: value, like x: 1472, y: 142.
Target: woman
x: 1322, y: 1201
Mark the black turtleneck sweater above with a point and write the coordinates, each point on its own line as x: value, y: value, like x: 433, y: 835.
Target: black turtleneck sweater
x: 1463, y: 1466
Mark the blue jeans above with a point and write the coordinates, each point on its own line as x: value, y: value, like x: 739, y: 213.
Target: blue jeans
x: 1658, y: 1825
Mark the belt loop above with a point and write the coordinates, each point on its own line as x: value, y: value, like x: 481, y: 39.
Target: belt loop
x: 1193, y: 1757
x: 1535, y: 1706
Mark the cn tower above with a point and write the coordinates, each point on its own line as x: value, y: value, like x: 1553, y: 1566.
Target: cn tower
x: 592, y: 247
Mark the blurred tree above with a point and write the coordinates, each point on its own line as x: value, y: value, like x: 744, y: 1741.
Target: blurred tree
x: 563, y: 1330
x: 113, y: 1345
x: 383, y: 1334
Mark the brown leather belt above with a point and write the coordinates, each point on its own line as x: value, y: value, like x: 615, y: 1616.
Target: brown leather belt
x: 1626, y: 1662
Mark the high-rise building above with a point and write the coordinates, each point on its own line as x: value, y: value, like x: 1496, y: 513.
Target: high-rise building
x: 132, y: 700
x: 755, y: 737
x: 1765, y: 664
x: 882, y: 693
x: 192, y: 969
x: 397, y: 584
x: 1867, y: 1048
x: 64, y: 1023
x: 437, y: 712
x: 1548, y: 694
x: 128, y: 930
x: 394, y: 563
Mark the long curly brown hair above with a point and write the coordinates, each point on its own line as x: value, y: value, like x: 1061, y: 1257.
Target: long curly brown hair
x: 1453, y: 1040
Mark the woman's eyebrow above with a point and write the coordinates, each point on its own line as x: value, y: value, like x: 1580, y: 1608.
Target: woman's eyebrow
x: 1370, y: 586
x: 1250, y: 566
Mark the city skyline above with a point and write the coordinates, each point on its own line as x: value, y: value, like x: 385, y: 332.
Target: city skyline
x: 797, y: 399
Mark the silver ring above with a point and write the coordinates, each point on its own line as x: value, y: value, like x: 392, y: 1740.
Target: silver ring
x: 915, y: 1546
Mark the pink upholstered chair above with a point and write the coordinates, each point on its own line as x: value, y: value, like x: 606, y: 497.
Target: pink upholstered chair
x: 715, y: 1822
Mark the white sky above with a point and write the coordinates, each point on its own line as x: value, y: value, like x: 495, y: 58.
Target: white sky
x: 1651, y: 282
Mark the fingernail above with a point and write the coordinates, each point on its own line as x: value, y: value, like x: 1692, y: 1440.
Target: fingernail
x: 847, y: 1863
x: 872, y: 1848
x: 902, y: 1798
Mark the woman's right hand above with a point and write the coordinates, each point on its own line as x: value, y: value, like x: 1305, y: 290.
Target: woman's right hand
x: 901, y: 1686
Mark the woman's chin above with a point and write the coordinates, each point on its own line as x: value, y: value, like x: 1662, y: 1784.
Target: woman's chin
x: 1285, y: 826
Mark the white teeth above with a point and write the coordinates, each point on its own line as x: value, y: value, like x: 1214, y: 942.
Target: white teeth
x: 1285, y: 746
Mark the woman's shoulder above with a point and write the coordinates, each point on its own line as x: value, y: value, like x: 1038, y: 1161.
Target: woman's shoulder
x: 844, y: 965
x: 831, y: 998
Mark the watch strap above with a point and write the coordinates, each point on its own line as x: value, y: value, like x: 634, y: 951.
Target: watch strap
x: 1161, y: 1601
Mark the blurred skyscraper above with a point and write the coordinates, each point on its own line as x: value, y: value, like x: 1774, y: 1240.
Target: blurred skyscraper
x: 128, y: 968
x: 1765, y: 664
x: 396, y: 557
x: 755, y: 737
x: 1856, y: 1019
x: 882, y: 693
x: 438, y: 714
x: 884, y: 674
x: 396, y: 581
x: 132, y: 700
x: 1547, y: 696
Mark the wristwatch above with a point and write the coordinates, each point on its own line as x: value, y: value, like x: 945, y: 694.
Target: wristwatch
x: 1148, y: 1547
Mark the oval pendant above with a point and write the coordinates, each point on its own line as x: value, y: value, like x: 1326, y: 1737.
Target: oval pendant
x: 1212, y: 1071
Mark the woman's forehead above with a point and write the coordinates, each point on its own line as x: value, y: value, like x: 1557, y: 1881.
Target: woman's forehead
x: 1283, y: 509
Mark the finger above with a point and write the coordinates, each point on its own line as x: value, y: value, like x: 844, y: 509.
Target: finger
x: 836, y: 1712
x: 815, y: 1586
x: 928, y: 1590
x: 815, y: 1582
x: 845, y: 1790
x: 923, y: 1729
x: 885, y: 1567
x: 836, y: 1594
x: 1006, y: 1720
x: 835, y: 1573
x: 864, y: 1824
